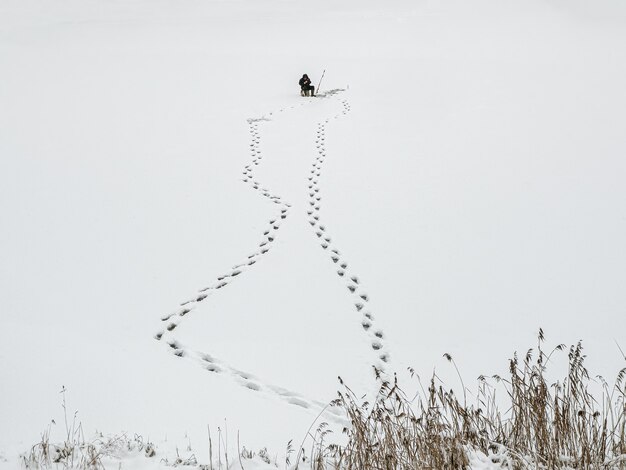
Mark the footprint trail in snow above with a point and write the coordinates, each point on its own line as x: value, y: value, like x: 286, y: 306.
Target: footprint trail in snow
x: 208, y: 362
x: 353, y: 284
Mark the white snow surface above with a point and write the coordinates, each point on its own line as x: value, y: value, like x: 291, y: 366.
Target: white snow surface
x: 471, y: 177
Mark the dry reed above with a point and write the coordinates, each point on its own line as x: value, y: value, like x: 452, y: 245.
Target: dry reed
x: 559, y: 425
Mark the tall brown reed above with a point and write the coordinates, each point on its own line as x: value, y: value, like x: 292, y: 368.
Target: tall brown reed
x: 543, y: 425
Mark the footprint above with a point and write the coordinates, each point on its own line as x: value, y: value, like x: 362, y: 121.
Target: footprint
x: 376, y: 346
x: 298, y: 402
x: 253, y: 386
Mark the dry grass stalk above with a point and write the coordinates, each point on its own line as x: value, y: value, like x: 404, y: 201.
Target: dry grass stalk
x: 558, y: 425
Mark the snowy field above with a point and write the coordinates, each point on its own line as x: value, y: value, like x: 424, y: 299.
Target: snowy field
x: 469, y: 172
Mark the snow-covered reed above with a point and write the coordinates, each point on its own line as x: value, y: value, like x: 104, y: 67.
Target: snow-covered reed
x: 540, y: 424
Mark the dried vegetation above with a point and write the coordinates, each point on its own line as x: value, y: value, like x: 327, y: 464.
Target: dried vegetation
x: 538, y: 425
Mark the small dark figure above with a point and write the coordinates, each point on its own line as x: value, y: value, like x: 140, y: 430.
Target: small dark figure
x: 306, y: 89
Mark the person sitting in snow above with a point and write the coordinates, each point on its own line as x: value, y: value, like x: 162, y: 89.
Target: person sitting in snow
x: 306, y: 87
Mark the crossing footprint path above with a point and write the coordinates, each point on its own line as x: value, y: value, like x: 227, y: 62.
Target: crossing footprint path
x: 353, y: 283
x: 169, y: 322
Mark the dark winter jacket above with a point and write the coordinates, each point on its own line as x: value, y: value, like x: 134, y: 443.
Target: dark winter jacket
x: 305, y: 82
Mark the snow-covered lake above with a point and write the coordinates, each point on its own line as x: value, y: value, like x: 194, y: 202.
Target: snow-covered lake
x: 470, y: 177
